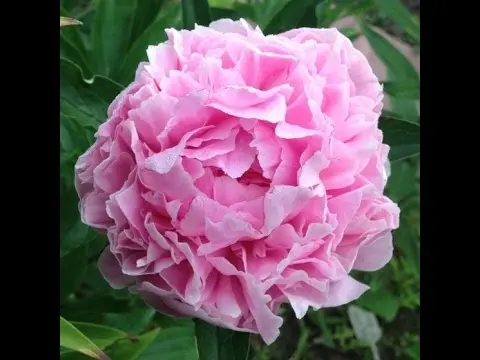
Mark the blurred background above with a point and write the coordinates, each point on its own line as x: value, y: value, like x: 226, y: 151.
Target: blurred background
x: 387, y: 32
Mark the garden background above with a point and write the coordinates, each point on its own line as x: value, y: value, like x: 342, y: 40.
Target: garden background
x: 99, y: 58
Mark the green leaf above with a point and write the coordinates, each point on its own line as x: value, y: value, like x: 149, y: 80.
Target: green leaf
x: 216, y: 343
x: 73, y: 339
x: 402, y: 89
x: 77, y: 235
x: 94, y: 307
x: 402, y: 181
x: 73, y: 140
x: 220, y: 13
x: 308, y: 20
x: 73, y: 233
x: 396, y: 11
x: 326, y: 333
x: 174, y: 343
x: 394, y: 60
x: 402, y: 136
x: 95, y: 280
x: 72, y: 270
x: 132, y: 322
x: 290, y: 16
x: 195, y: 12
x: 70, y: 52
x: 414, y: 351
x: 330, y: 11
x: 130, y: 349
x: 72, y: 135
x: 86, y: 100
x: 100, y: 335
x: 72, y: 35
x: 145, y: 14
x: 327, y: 12
x: 154, y: 34
x: 245, y: 10
x: 97, y: 305
x: 406, y: 108
x: 380, y: 302
x: 263, y: 11
x: 351, y: 33
x: 408, y: 241
x: 112, y: 26
x: 69, y: 4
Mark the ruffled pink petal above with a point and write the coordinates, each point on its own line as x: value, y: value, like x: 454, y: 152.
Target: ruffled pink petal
x: 112, y: 271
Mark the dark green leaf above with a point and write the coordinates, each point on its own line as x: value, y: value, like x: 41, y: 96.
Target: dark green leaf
x: 73, y: 233
x: 327, y: 13
x: 154, y: 34
x: 245, y: 10
x: 326, y: 333
x: 351, y: 33
x: 145, y: 14
x: 396, y: 11
x: 95, y: 305
x: 406, y: 108
x: 112, y: 26
x: 85, y: 100
x: 95, y: 280
x: 402, y: 136
x: 330, y: 11
x: 73, y: 339
x: 69, y: 5
x: 402, y: 89
x: 219, y: 13
x: 308, y: 19
x: 72, y: 355
x: 290, y: 16
x: 378, y: 279
x: 414, y: 351
x: 216, y: 343
x: 72, y: 270
x: 72, y: 135
x: 265, y: 11
x: 195, y: 12
x: 401, y: 183
x: 97, y: 245
x: 72, y: 35
x: 78, y: 235
x: 73, y: 140
x: 394, y: 60
x: 380, y: 302
x: 408, y: 241
x: 70, y: 52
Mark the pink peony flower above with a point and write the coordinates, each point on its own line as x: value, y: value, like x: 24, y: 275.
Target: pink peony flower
x: 241, y: 171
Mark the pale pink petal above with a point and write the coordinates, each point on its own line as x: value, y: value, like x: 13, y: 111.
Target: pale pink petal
x: 112, y: 271
x: 344, y: 291
x: 375, y: 255
x: 283, y: 202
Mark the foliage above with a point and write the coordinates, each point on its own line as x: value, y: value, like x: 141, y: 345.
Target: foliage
x: 98, y: 59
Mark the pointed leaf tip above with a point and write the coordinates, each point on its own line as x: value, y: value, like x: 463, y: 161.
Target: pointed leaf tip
x: 68, y: 21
